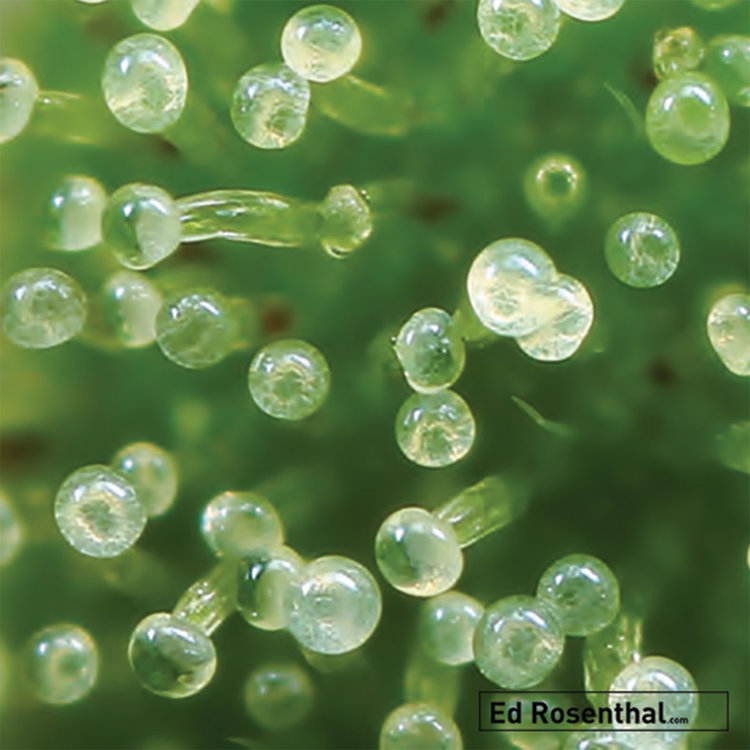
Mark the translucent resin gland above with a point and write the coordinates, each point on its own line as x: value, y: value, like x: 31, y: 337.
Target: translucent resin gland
x: 583, y: 590
x: 74, y: 214
x: 506, y: 284
x: 728, y: 328
x: 278, y: 696
x: 519, y: 29
x: 687, y: 119
x: 98, y: 512
x: 141, y: 225
x: 153, y: 473
x: 42, y: 308
x: 163, y: 15
x: 566, y: 327
x: 145, y: 83
x: 435, y: 430
x: 269, y: 107
x: 129, y: 304
x: 345, y: 221
x: 431, y: 351
x: 518, y: 642
x: 677, y: 694
x: 321, y: 43
x: 235, y: 523
x: 419, y: 726
x: 196, y: 329
x: 335, y: 607
x: 18, y: 94
x: 265, y: 580
x: 728, y: 63
x: 642, y: 250
x: 171, y: 657
x: 63, y: 664
x: 446, y: 627
x: 590, y: 10
x: 677, y: 51
x: 289, y: 379
x: 418, y: 553
x: 555, y: 187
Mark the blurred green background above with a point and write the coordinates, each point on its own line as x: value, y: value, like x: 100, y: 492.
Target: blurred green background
x: 638, y: 485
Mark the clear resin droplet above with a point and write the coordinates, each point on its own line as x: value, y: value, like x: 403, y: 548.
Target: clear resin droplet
x: 418, y: 553
x: 235, y: 523
x: 42, y: 308
x: 555, y: 186
x: 196, y: 329
x: 435, y: 429
x: 75, y: 214
x: 141, y: 225
x: 431, y: 351
x: 18, y: 94
x: 346, y: 221
x: 419, y: 726
x: 153, y: 473
x: 321, y: 43
x: 446, y: 627
x: 163, y: 15
x: 687, y: 119
x: 278, y: 696
x: 728, y: 328
x: 63, y: 663
x: 590, y: 10
x: 171, y: 657
x: 519, y: 29
x: 129, y: 306
x: 145, y: 83
x: 518, y: 642
x: 676, y: 51
x: 728, y: 63
x: 584, y: 591
x: 642, y: 250
x: 289, y: 379
x: 269, y: 107
x: 98, y: 512
x: 505, y: 283
x: 335, y: 607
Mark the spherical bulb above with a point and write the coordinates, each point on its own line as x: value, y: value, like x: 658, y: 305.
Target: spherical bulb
x: 74, y: 214
x: 505, y: 283
x: 153, y: 473
x: 141, y: 224
x: 642, y: 250
x: 446, y: 627
x: 345, y: 221
x: 419, y: 726
x: 435, y: 429
x: 584, y: 591
x: 269, y: 106
x: 519, y: 29
x: 687, y: 119
x: 42, y: 308
x: 129, y: 304
x: 677, y: 51
x: 728, y: 63
x: 518, y: 642
x: 163, y: 15
x: 18, y: 94
x: 571, y: 316
x: 98, y: 512
x: 11, y: 531
x: 335, y: 607
x: 235, y: 523
x: 196, y: 329
x: 728, y: 328
x: 431, y: 350
x: 289, y: 379
x: 590, y: 10
x: 278, y: 696
x: 171, y: 657
x: 677, y: 694
x: 321, y: 43
x: 555, y: 187
x: 63, y: 663
x: 265, y: 578
x: 418, y: 553
x: 145, y: 83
